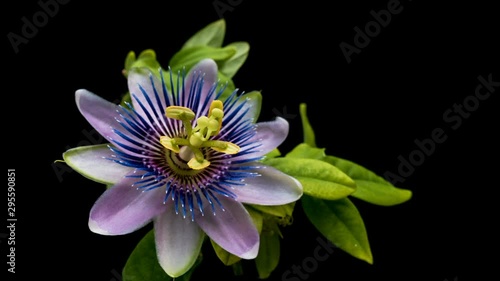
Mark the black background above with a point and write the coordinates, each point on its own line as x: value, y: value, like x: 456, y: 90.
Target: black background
x: 370, y: 111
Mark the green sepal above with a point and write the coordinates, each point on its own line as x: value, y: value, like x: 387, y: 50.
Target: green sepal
x: 280, y: 211
x: 269, y: 254
x: 146, y: 59
x: 224, y: 256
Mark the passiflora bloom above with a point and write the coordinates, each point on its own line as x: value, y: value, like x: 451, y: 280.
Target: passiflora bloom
x: 184, y: 160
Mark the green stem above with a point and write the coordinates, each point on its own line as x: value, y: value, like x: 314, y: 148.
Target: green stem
x: 237, y: 269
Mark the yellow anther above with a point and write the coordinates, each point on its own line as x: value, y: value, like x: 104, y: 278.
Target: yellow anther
x: 198, y: 137
x: 213, y: 125
x: 197, y: 165
x: 226, y: 147
x: 168, y: 143
x: 216, y: 104
x: 179, y: 113
x: 216, y: 111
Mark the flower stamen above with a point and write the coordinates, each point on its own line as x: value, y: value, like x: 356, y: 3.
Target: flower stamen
x: 199, y: 136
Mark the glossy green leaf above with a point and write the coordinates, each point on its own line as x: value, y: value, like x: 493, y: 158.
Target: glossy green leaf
x: 371, y: 187
x: 304, y: 150
x: 189, y: 56
x: 272, y: 154
x: 341, y: 223
x: 211, y: 35
x: 232, y: 65
x: 142, y: 263
x: 309, y: 137
x: 269, y: 254
x: 318, y: 178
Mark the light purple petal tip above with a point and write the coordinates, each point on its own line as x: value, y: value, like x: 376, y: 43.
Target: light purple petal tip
x: 206, y: 69
x: 178, y: 242
x: 232, y: 229
x: 140, y: 87
x: 272, y: 187
x: 270, y: 135
x: 100, y: 113
x: 123, y: 209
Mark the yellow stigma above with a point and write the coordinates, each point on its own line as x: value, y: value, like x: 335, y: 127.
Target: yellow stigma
x: 198, y: 136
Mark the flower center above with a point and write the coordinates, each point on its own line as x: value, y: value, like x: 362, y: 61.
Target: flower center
x: 199, y: 136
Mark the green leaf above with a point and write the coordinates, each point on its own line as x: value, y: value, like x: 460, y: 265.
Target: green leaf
x: 309, y: 137
x: 304, y: 150
x: 232, y: 65
x: 188, y: 57
x: 211, y: 35
x: 226, y: 257
x: 318, y: 178
x: 272, y: 154
x: 341, y: 223
x: 269, y: 254
x: 371, y: 187
x: 142, y: 263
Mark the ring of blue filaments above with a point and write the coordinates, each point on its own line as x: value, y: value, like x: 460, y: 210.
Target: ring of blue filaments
x: 151, y: 169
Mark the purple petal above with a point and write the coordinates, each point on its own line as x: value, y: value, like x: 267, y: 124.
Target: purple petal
x: 93, y: 162
x: 269, y: 134
x: 142, y: 86
x: 272, y: 187
x: 206, y: 68
x: 178, y: 242
x: 123, y: 209
x: 233, y: 228
x: 100, y: 113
